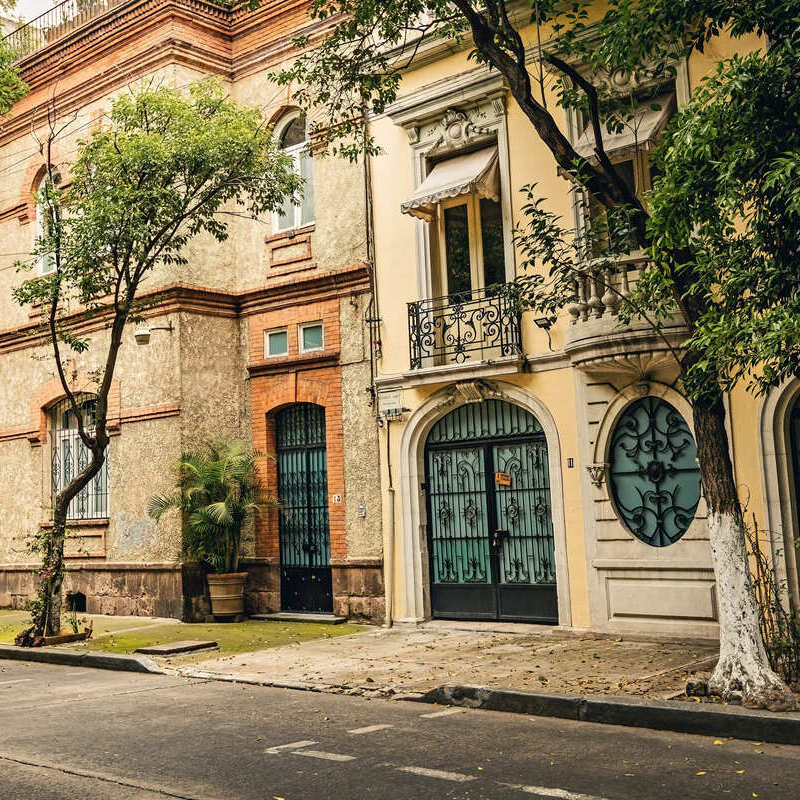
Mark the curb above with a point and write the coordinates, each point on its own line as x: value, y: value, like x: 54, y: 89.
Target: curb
x: 52, y: 655
x: 677, y: 716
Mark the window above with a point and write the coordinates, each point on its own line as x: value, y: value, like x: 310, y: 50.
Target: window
x: 276, y: 343
x: 629, y: 148
x: 45, y: 262
x: 69, y: 455
x: 471, y: 244
x: 460, y: 197
x: 653, y: 474
x: 311, y: 337
x: 294, y: 142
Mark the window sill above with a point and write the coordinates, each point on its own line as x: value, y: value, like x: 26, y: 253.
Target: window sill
x: 291, y: 233
x: 80, y: 523
x: 288, y: 363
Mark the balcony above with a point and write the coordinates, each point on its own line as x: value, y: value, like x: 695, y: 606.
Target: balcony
x: 55, y: 23
x: 474, y: 327
x: 598, y: 340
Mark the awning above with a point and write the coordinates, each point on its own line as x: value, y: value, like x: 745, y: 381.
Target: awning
x: 641, y: 131
x: 471, y: 173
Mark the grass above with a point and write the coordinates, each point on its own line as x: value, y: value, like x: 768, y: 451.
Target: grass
x: 116, y: 634
x: 232, y: 638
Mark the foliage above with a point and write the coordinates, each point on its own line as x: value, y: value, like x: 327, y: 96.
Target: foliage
x: 780, y: 627
x: 163, y: 167
x: 12, y: 87
x: 218, y: 491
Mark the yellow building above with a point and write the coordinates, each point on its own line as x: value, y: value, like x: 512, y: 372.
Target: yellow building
x: 535, y: 472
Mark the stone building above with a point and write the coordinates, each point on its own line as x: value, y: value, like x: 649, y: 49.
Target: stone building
x: 261, y: 337
x: 540, y: 472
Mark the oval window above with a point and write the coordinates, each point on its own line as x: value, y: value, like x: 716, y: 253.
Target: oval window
x: 653, y: 474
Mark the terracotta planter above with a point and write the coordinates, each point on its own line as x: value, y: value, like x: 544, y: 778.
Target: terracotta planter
x: 227, y: 593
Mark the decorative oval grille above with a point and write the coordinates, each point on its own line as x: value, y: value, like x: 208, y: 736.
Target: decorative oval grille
x: 653, y: 477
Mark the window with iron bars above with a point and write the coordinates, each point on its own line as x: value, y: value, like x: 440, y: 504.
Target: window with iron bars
x: 69, y: 456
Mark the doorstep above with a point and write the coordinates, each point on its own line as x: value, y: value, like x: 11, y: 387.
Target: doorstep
x: 301, y: 616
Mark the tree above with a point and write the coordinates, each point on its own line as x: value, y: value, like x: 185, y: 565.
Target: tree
x: 720, y: 227
x: 165, y: 167
x: 218, y: 491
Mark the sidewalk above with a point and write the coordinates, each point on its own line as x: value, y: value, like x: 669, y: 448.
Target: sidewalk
x: 535, y: 658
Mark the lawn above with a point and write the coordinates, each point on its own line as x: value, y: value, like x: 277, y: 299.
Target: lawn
x: 127, y: 634
x: 232, y: 638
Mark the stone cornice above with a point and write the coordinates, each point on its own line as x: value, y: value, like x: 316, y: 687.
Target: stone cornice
x: 185, y: 298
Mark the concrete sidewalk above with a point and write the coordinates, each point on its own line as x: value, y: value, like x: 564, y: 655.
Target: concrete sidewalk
x: 528, y: 657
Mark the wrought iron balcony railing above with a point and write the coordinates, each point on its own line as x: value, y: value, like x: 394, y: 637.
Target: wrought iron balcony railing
x: 479, y: 325
x: 55, y: 23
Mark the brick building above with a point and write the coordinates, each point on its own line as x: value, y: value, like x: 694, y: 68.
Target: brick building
x: 261, y: 337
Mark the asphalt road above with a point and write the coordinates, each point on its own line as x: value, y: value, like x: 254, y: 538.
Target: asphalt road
x: 70, y: 732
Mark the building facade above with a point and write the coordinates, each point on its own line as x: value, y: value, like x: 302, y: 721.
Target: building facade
x: 261, y: 337
x: 541, y: 472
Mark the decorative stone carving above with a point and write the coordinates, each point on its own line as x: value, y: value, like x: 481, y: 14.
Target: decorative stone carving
x: 456, y: 129
x: 597, y: 473
x: 473, y: 392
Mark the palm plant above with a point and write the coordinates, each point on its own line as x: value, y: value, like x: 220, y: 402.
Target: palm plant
x: 217, y: 490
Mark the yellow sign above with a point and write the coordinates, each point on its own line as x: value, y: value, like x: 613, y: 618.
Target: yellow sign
x: 502, y: 478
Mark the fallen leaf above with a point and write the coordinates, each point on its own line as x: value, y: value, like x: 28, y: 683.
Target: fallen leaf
x: 702, y: 772
x: 718, y: 741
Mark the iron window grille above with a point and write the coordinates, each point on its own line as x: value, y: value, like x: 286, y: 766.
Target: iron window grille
x: 479, y: 324
x: 654, y: 478
x: 69, y: 456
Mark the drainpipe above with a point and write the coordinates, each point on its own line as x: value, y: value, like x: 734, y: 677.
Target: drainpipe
x: 388, y: 560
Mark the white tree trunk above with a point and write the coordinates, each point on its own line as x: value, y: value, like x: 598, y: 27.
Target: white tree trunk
x: 743, y: 665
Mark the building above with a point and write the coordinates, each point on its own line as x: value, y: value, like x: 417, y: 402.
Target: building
x: 538, y: 472
x: 261, y: 337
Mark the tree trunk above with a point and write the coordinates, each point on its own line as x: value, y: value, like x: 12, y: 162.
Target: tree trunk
x: 743, y: 665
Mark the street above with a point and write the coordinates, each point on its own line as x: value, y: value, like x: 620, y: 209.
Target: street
x: 84, y: 733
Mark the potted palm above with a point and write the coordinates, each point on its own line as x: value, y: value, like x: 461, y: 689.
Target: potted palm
x: 217, y: 491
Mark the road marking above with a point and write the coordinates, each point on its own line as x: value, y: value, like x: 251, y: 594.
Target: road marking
x: 370, y: 729
x: 554, y: 792
x: 326, y: 756
x: 19, y: 680
x: 446, y: 713
x: 458, y: 777
x: 290, y: 746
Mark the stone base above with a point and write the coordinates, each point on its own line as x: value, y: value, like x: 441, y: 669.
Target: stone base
x: 120, y: 589
x: 358, y: 592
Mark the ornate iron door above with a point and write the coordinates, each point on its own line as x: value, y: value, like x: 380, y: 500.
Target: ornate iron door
x: 306, y: 583
x: 490, y: 531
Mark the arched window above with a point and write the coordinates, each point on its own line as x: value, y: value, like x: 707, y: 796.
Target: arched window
x: 69, y: 455
x: 45, y: 262
x: 653, y: 474
x: 293, y: 137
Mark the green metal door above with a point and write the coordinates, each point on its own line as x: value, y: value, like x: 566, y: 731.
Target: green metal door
x: 490, y: 531
x: 306, y: 583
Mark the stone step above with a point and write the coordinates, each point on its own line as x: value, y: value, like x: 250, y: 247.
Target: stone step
x: 174, y: 648
x: 301, y: 616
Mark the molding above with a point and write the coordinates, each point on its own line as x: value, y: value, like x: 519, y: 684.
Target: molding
x: 146, y: 413
x: 270, y: 366
x: 652, y: 565
x: 375, y: 562
x: 108, y: 566
x: 186, y: 298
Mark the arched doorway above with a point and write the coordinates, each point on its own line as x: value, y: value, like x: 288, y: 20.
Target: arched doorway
x: 303, y: 525
x: 490, y: 528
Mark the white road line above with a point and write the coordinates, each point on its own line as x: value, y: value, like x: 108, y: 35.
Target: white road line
x: 19, y: 680
x: 446, y: 713
x: 554, y: 792
x: 370, y: 729
x: 290, y: 746
x: 458, y: 777
x: 326, y: 756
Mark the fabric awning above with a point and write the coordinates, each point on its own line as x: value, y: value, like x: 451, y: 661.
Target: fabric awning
x: 641, y: 131
x: 474, y: 172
